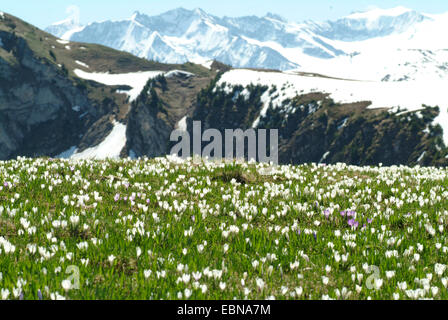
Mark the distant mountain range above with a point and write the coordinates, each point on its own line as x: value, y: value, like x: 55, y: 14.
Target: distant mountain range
x: 390, y: 45
x: 68, y: 99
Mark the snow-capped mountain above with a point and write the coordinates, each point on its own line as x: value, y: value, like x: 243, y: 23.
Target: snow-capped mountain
x: 66, y: 28
x: 389, y: 45
x: 182, y: 35
x: 372, y: 24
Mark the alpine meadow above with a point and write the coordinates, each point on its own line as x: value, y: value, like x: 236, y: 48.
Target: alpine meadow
x: 184, y: 156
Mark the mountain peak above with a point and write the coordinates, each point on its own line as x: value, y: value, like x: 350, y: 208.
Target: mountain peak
x: 65, y: 27
x: 68, y: 21
x: 275, y: 16
x: 135, y: 15
x: 199, y: 11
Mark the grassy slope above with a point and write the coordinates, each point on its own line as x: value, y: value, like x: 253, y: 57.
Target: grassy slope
x: 279, y: 240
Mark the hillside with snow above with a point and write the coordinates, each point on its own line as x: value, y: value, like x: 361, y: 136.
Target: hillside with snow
x: 409, y: 96
x: 66, y: 99
x: 378, y: 97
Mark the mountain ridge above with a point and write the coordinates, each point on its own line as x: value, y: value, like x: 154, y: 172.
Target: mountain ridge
x: 271, y: 42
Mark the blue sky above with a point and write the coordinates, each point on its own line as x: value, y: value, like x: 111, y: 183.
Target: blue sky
x: 44, y: 12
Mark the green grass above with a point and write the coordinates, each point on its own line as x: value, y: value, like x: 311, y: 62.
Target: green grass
x: 263, y: 236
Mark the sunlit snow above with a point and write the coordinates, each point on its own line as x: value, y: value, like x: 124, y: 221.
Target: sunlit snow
x: 110, y: 148
x: 136, y: 80
x: 410, y: 95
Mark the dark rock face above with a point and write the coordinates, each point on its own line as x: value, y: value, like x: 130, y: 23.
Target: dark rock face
x: 148, y: 132
x: 40, y: 107
x: 158, y: 109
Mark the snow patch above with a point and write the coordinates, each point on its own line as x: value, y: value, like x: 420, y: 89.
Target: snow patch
x: 2, y: 15
x: 325, y: 156
x: 83, y: 115
x: 76, y: 108
x: 265, y: 100
x: 343, y: 124
x: 68, y: 48
x: 82, y: 64
x: 62, y: 41
x: 421, y: 156
x: 207, y: 64
x: 136, y: 80
x: 68, y: 34
x: 67, y: 154
x: 110, y: 148
x: 177, y: 73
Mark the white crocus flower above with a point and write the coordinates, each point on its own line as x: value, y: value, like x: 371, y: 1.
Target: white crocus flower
x: 147, y: 273
x: 66, y: 285
x: 439, y: 269
x: 5, y: 294
x: 138, y: 252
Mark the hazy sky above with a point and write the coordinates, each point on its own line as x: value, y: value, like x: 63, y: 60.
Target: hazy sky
x: 44, y: 12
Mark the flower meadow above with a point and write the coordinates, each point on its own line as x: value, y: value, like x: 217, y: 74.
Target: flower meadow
x: 172, y: 229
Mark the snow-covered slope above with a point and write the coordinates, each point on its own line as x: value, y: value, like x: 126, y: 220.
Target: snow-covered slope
x: 409, y: 95
x: 110, y: 148
x: 136, y: 80
x: 391, y: 45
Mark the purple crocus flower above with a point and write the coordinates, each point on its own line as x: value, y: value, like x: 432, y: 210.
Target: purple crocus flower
x: 117, y: 197
x: 351, y: 213
x: 327, y: 213
x: 315, y: 236
x: 148, y: 201
x: 39, y: 295
x: 343, y: 213
x: 369, y: 221
x: 353, y: 223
